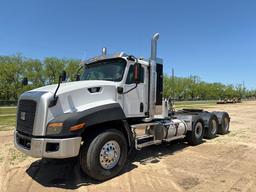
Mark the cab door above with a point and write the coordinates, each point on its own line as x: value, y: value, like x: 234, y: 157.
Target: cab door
x: 135, y: 101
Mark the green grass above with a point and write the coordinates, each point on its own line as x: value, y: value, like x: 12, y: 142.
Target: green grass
x: 194, y: 104
x: 7, y: 118
x: 7, y: 110
x: 16, y: 156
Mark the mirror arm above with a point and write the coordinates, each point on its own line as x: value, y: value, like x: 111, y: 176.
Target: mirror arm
x: 60, y: 80
x: 130, y: 89
x: 77, y: 73
x: 53, y: 102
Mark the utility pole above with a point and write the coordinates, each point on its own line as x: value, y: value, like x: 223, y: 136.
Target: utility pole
x: 173, y: 86
x: 243, y: 90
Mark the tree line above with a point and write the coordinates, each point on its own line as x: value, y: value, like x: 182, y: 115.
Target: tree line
x: 39, y: 73
x: 193, y: 88
x: 44, y: 72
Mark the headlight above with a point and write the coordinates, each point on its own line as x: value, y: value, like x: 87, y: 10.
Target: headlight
x: 54, y: 128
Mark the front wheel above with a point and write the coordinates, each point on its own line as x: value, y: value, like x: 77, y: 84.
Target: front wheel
x: 105, y: 156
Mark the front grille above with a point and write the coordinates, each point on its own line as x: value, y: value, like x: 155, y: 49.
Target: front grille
x: 26, y: 116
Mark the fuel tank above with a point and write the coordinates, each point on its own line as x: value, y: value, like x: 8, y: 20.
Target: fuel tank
x: 167, y: 129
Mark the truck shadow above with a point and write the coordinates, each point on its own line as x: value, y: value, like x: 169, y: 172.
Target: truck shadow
x: 155, y: 153
x: 67, y: 174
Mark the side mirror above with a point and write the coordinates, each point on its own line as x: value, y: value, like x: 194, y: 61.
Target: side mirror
x: 77, y: 77
x: 63, y: 76
x: 136, y: 73
x: 24, y: 81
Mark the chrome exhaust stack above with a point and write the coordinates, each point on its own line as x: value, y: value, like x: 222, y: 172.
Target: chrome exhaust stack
x: 154, y: 46
x: 153, y: 74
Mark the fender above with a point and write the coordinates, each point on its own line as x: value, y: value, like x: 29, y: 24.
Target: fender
x: 92, y: 116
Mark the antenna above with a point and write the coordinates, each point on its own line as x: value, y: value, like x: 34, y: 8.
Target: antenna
x: 173, y: 86
x: 172, y: 73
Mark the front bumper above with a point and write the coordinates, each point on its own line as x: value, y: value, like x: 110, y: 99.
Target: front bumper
x: 39, y: 147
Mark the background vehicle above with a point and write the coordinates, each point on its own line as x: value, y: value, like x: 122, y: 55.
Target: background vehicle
x: 116, y: 106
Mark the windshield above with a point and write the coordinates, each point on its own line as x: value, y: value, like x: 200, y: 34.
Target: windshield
x: 110, y: 70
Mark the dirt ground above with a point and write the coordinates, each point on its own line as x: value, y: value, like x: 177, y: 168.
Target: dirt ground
x: 226, y: 163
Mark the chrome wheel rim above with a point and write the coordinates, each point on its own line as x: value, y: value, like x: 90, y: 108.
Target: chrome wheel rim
x: 198, y: 130
x: 214, y: 126
x: 110, y: 154
x: 226, y: 124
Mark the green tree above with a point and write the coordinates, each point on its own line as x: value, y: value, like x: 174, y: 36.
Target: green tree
x: 34, y: 71
x: 72, y: 65
x: 53, y: 69
x: 11, y: 70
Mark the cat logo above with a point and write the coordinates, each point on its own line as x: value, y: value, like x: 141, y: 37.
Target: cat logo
x: 23, y: 116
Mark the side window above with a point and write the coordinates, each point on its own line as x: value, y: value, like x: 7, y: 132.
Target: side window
x: 129, y: 79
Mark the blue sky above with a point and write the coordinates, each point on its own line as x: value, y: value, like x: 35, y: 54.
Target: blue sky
x: 214, y: 39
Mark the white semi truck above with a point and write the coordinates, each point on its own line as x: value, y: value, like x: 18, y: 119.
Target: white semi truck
x: 115, y: 107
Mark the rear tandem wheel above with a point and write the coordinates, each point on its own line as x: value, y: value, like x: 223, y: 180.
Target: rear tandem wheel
x: 195, y: 136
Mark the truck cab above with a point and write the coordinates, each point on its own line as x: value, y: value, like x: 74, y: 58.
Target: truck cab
x: 120, y: 69
x: 114, y: 108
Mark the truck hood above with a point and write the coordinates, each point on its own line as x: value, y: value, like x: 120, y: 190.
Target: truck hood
x: 76, y: 85
x: 72, y: 97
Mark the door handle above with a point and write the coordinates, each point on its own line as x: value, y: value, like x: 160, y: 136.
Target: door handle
x: 141, y: 107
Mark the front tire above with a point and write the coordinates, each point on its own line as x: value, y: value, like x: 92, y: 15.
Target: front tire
x: 195, y: 136
x: 105, y: 156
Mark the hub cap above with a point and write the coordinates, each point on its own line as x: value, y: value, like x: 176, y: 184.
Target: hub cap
x: 226, y: 121
x: 198, y: 130
x: 214, y: 127
x: 109, y: 154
